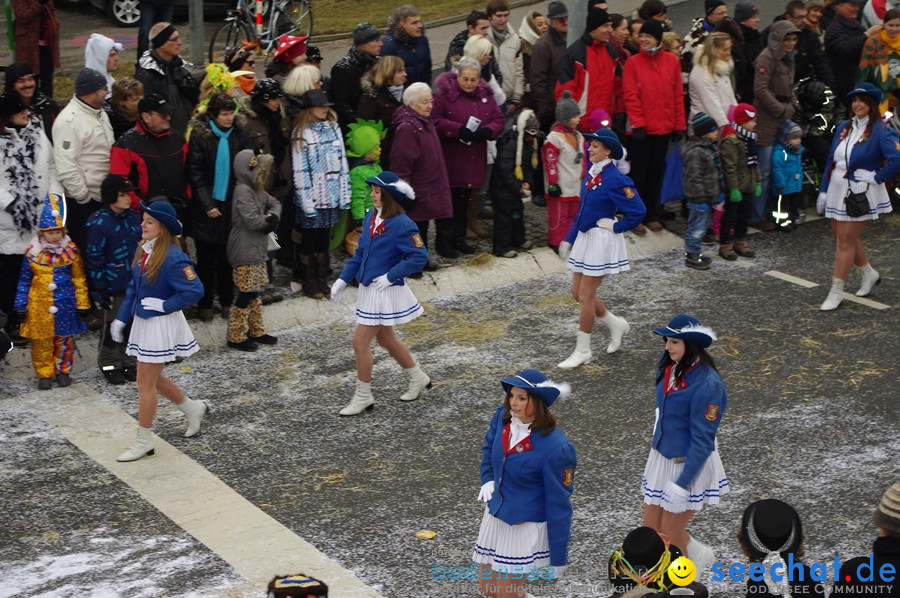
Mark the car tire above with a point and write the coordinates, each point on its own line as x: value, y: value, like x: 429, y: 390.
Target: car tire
x: 124, y: 13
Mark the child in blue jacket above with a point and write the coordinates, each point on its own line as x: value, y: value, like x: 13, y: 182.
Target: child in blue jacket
x: 390, y: 249
x: 113, y: 233
x: 787, y: 175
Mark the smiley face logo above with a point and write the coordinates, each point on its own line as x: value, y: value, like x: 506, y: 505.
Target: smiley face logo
x: 682, y: 571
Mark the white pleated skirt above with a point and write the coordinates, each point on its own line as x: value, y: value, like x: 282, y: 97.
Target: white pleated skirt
x: 598, y: 252
x: 879, y: 201
x: 519, y: 548
x: 161, y: 339
x: 708, y: 485
x: 394, y: 305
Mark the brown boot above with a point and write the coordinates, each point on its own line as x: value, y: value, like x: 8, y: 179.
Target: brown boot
x: 742, y: 249
x: 308, y: 269
x: 726, y: 252
x: 474, y: 229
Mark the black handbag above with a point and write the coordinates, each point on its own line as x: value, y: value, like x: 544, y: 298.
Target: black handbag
x: 857, y: 204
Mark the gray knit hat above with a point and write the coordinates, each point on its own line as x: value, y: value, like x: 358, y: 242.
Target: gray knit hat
x: 745, y: 9
x: 87, y: 81
x: 887, y: 515
x: 567, y: 108
x: 365, y: 33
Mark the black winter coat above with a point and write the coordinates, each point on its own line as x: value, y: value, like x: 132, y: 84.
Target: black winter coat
x: 346, y: 86
x: 844, y: 41
x: 377, y: 103
x: 503, y: 178
x: 201, y: 168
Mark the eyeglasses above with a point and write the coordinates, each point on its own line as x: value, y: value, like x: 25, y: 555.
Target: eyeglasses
x: 250, y: 63
x: 173, y: 39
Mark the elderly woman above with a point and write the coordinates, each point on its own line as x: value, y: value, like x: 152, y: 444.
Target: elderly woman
x: 466, y: 117
x: 417, y: 158
x: 479, y: 48
x: 298, y: 82
x: 863, y: 156
x: 382, y: 94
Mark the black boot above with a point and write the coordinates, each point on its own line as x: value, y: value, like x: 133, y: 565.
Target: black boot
x: 323, y: 269
x: 443, y: 244
x: 299, y: 264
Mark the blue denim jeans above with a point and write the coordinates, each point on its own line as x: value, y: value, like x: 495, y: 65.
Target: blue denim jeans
x: 151, y: 14
x: 760, y: 204
x: 698, y: 222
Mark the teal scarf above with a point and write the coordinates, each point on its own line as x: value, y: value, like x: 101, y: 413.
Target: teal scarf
x: 222, y: 172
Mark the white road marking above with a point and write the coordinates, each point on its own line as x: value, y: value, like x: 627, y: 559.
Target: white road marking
x: 809, y: 284
x: 244, y: 536
x: 792, y: 279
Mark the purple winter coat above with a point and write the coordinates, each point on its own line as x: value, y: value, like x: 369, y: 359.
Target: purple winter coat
x: 452, y: 109
x: 416, y: 157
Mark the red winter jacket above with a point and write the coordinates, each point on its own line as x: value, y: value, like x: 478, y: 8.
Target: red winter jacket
x: 654, y: 94
x: 588, y: 71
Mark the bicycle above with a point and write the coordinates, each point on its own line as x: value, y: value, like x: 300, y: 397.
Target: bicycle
x: 239, y: 28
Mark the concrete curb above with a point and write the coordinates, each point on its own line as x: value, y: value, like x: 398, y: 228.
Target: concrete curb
x: 302, y: 311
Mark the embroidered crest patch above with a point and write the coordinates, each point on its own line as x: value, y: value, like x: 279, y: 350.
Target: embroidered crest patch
x: 712, y: 412
x: 417, y: 240
x: 629, y: 192
x: 189, y: 273
x: 568, y: 474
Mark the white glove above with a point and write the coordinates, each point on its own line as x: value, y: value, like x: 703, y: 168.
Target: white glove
x: 381, y: 283
x: 865, y: 176
x: 557, y: 571
x: 337, y: 289
x: 820, y: 203
x: 487, y: 491
x: 117, y: 330
x: 564, y: 250
x: 153, y: 304
x: 674, y: 498
x: 606, y: 223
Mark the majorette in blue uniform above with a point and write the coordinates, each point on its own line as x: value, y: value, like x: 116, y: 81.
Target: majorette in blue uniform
x: 684, y: 471
x: 390, y: 249
x: 527, y: 481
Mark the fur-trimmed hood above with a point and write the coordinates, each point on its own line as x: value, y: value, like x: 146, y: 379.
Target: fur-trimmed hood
x: 447, y: 86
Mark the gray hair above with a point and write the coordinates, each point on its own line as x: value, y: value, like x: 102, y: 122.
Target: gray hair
x: 468, y: 63
x: 415, y: 93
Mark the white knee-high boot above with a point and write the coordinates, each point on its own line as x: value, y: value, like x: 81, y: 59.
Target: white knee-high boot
x: 701, y: 554
x: 582, y: 353
x: 418, y: 381
x: 362, y: 400
x: 194, y: 412
x: 142, y: 447
x: 618, y: 328
x: 835, y: 295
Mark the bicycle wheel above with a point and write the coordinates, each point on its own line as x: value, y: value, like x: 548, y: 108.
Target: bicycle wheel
x: 228, y: 35
x: 294, y: 17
